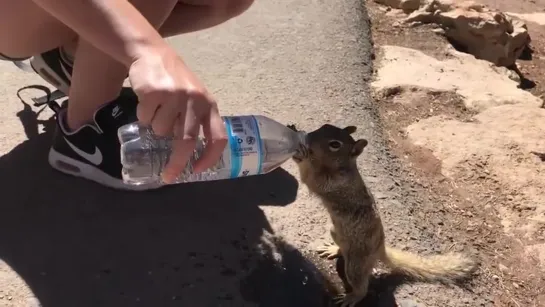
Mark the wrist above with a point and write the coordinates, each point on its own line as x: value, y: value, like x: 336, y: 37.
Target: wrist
x: 161, y: 51
x: 141, y: 50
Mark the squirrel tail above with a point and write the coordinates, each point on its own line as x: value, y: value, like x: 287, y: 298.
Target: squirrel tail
x: 441, y: 268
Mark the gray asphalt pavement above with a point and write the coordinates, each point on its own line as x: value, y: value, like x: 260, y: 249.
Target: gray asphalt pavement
x: 68, y: 242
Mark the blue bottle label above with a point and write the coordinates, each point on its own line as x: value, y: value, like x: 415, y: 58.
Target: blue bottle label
x: 245, y: 144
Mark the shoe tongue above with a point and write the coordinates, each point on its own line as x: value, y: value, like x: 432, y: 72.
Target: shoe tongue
x: 118, y: 112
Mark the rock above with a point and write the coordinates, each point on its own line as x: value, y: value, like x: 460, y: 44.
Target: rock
x: 449, y: 5
x: 480, y: 84
x: 406, y: 5
x: 415, y: 24
x: 503, y: 268
x: 487, y: 34
x: 537, y: 18
x: 396, y: 13
x: 420, y: 16
x: 379, y: 195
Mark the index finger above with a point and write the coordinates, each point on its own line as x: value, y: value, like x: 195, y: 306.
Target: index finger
x: 216, y: 136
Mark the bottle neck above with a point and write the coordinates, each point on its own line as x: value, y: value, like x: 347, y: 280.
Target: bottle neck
x: 302, y: 137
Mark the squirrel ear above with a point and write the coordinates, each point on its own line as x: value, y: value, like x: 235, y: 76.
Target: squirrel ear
x: 350, y: 129
x: 358, y: 147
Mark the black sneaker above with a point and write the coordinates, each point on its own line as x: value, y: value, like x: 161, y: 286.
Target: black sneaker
x: 93, y: 151
x: 55, y: 67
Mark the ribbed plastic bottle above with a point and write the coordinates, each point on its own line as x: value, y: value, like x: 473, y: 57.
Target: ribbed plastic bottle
x: 256, y: 145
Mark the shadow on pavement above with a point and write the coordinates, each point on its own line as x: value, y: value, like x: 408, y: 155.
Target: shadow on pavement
x: 280, y: 268
x: 76, y: 243
x: 381, y: 288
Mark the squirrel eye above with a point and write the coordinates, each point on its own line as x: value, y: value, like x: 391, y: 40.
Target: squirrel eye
x: 335, y: 145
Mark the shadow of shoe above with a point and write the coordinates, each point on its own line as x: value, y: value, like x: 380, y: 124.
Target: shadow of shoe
x: 76, y: 243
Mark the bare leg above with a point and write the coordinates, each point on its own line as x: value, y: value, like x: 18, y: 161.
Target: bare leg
x: 26, y: 29
x: 194, y: 15
x: 91, y: 65
x: 97, y: 78
x: 85, y: 96
x: 171, y: 16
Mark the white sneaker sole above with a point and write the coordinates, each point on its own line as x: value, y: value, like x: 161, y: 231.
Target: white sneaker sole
x: 76, y: 168
x: 42, y: 69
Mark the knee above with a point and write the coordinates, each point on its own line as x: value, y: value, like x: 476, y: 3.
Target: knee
x: 240, y: 6
x: 232, y: 8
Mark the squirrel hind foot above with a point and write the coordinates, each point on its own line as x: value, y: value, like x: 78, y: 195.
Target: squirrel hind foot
x: 348, y: 300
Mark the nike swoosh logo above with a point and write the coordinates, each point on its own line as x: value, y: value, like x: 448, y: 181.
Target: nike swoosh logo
x: 95, y: 158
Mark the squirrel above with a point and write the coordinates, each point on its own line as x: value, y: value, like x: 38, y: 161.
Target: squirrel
x: 327, y: 166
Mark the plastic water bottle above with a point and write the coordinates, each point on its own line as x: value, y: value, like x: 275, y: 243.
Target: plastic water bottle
x: 256, y: 145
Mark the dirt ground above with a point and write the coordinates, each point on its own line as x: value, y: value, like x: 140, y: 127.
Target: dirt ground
x: 483, y: 210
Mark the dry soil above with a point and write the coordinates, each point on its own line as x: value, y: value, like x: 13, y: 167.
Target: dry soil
x: 471, y: 136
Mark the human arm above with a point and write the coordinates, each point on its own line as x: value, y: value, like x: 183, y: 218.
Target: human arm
x: 172, y: 99
x: 114, y: 26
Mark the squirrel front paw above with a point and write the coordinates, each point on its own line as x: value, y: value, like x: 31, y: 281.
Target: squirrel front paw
x: 301, y: 153
x: 292, y: 127
x: 330, y: 251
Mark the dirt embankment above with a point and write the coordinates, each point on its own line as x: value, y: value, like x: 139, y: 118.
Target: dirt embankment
x: 459, y: 86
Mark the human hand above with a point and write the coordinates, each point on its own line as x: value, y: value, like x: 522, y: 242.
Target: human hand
x: 173, y: 101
